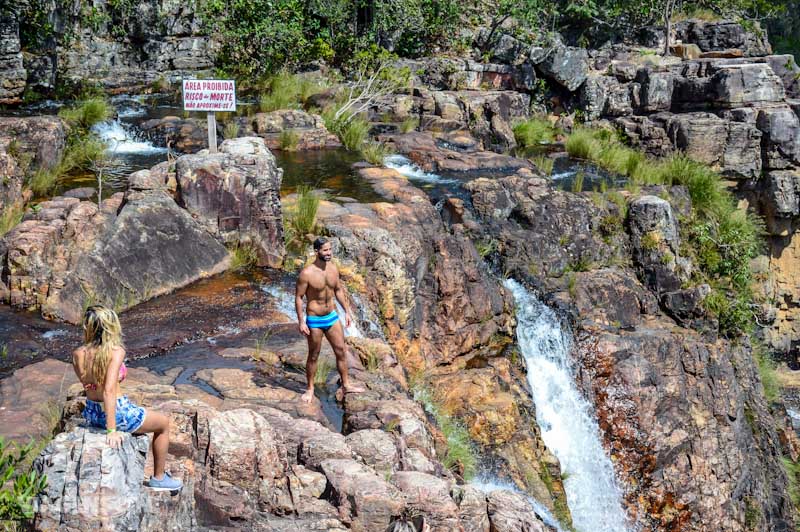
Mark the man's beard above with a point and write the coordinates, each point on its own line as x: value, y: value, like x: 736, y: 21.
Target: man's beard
x: 326, y: 258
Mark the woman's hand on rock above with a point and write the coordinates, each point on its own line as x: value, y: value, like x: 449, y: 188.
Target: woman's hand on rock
x: 114, y: 440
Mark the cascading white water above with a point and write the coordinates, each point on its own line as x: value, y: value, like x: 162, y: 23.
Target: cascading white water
x: 405, y: 167
x: 121, y: 141
x: 284, y: 303
x: 488, y: 484
x: 568, y: 425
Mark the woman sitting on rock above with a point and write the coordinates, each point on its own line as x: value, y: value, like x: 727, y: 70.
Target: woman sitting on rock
x: 99, y: 364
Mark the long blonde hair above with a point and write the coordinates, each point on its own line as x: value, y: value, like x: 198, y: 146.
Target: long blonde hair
x: 102, y: 331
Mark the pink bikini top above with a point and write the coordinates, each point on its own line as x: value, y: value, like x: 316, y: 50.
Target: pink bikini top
x: 123, y: 372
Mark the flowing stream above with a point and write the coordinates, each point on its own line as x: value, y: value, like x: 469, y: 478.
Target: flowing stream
x: 568, y: 426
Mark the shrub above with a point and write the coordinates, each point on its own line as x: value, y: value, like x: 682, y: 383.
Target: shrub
x: 375, y: 152
x: 533, y: 132
x: 288, y: 140
x: 244, y: 256
x: 17, y: 489
x: 300, y: 218
x: 324, y: 367
x: 353, y: 133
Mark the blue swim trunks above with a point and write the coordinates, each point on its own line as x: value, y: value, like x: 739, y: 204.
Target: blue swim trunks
x: 129, y: 416
x: 322, y: 322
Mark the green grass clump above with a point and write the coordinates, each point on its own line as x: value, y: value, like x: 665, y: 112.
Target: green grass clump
x: 409, y: 124
x: 300, y: 218
x: 243, y: 256
x: 533, y: 132
x: 353, y: 133
x: 767, y: 371
x: 793, y: 475
x: 544, y: 164
x: 582, y: 144
x: 375, y: 152
x: 288, y: 140
x: 288, y: 91
x: 324, y: 367
x: 11, y: 216
x: 86, y: 113
x: 459, y: 454
x: 577, y: 181
x: 231, y: 130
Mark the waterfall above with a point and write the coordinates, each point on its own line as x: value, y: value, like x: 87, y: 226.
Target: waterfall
x: 121, y: 140
x: 567, y: 422
x: 413, y: 172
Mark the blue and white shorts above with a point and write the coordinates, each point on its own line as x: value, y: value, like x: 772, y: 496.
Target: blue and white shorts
x: 129, y: 416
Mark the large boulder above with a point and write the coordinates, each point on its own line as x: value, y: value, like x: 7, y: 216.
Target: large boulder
x: 90, y: 484
x: 151, y: 248
x: 565, y: 65
x: 781, y: 141
x: 655, y: 239
x: 12, y: 71
x: 309, y: 128
x: 38, y: 140
x: 656, y: 88
x: 185, y: 135
x: 236, y: 194
x: 780, y: 200
x: 737, y: 85
x: 510, y: 512
x: 786, y: 68
x: 724, y: 35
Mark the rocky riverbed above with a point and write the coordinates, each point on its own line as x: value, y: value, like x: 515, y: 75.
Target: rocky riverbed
x: 570, y: 346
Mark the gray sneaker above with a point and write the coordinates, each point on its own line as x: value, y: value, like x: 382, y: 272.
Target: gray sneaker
x: 165, y: 484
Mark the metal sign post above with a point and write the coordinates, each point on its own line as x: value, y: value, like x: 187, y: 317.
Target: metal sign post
x: 210, y: 95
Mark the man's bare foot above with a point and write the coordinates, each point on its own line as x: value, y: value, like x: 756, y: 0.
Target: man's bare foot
x: 353, y: 388
x: 308, y: 396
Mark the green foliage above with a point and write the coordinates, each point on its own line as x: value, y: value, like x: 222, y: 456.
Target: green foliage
x: 231, y: 130
x: 11, y: 216
x: 459, y: 455
x: 352, y: 133
x: 582, y: 144
x: 577, y: 181
x: 300, y: 218
x: 35, y: 29
x: 544, y: 164
x: 86, y: 113
x: 375, y: 152
x: 256, y: 36
x: 793, y: 475
x: 533, y: 132
x: 243, y: 256
x: 409, y: 124
x: 17, y: 489
x: 288, y: 140
x: 767, y: 372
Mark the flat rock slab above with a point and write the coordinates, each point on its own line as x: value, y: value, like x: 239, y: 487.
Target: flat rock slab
x: 30, y: 399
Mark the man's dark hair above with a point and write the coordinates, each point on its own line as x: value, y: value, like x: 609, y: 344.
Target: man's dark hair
x: 319, y: 242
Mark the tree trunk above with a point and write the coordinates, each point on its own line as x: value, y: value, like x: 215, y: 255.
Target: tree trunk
x: 669, y: 7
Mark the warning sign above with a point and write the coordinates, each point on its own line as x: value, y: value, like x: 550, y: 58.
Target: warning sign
x: 209, y: 95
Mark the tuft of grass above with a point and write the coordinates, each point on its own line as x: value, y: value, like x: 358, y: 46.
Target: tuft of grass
x: 533, y: 132
x: 459, y: 455
x: 324, y: 367
x: 288, y: 91
x: 577, y: 181
x: 409, y: 124
x: 20, y: 485
x: 243, y: 256
x: 86, y: 113
x: 793, y: 475
x: 544, y: 164
x: 231, y: 130
x: 288, y: 140
x: 10, y: 216
x: 354, y: 133
x: 375, y: 152
x: 373, y: 361
x: 301, y: 218
x: 582, y: 144
x: 486, y: 247
x: 767, y: 372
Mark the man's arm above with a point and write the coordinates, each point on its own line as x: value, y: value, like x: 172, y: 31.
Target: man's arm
x: 341, y: 297
x: 299, y: 292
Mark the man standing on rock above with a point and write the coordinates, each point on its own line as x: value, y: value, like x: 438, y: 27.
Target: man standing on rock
x: 319, y: 283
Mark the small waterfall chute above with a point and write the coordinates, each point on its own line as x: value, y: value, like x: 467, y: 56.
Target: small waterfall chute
x: 566, y: 418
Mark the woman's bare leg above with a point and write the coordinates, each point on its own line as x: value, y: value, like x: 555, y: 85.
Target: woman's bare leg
x: 158, y: 424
